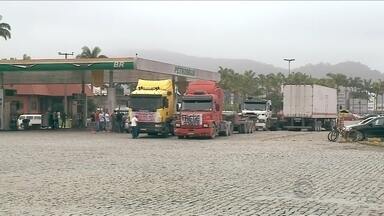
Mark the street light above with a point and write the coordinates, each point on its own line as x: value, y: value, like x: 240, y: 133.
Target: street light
x: 65, y: 54
x: 289, y: 64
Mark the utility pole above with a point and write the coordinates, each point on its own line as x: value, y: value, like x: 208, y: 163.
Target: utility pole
x: 289, y: 64
x: 65, y: 85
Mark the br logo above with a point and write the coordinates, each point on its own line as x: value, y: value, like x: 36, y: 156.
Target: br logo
x: 118, y: 64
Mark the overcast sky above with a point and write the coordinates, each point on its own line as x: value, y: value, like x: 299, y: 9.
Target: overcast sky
x: 311, y: 32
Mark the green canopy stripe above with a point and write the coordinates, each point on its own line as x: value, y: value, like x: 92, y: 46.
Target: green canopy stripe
x: 119, y: 65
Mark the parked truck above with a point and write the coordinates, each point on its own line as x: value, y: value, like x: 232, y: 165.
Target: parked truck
x: 153, y: 102
x: 201, y: 111
x: 309, y: 107
x: 240, y: 123
x: 258, y: 109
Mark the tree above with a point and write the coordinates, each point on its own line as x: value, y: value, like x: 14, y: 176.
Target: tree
x: 269, y: 85
x: 5, y: 30
x: 378, y: 89
x: 299, y: 78
x: 88, y: 53
x: 339, y: 79
x: 325, y: 82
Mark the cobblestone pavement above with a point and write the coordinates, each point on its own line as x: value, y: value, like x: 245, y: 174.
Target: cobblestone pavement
x: 265, y: 173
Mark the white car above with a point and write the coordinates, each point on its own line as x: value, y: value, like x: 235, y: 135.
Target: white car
x: 34, y: 120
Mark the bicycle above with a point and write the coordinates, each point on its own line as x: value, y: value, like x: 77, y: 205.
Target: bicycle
x: 334, y: 134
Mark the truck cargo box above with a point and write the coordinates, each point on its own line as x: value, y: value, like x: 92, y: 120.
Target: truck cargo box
x: 309, y: 101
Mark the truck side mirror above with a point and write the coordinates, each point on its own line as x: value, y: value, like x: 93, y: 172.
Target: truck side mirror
x: 217, y: 107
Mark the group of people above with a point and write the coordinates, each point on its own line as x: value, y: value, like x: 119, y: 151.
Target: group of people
x: 102, y: 120
x: 53, y: 119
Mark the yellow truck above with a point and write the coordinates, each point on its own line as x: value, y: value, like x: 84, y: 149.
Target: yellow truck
x: 153, y: 103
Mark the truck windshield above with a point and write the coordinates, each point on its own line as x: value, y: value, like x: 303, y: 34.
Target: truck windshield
x: 146, y: 103
x: 196, y: 105
x: 255, y: 106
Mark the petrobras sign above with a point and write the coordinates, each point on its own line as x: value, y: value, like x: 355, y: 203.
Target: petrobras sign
x: 185, y: 71
x: 191, y: 119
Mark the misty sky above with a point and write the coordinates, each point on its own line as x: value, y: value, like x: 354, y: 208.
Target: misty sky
x: 311, y: 32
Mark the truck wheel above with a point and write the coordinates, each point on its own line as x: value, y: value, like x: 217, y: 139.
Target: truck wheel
x: 165, y: 134
x: 172, y: 130
x: 240, y: 129
x: 245, y: 129
x: 180, y: 137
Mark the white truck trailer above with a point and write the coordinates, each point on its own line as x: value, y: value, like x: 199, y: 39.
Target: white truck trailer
x: 309, y: 107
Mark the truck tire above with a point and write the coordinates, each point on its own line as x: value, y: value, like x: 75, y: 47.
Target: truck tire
x: 242, y: 128
x: 166, y: 132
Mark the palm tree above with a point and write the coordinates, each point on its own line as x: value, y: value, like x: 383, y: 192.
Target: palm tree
x: 95, y: 53
x: 339, y: 79
x: 367, y: 85
x: 378, y: 89
x: 5, y: 30
x: 325, y: 82
x: 88, y: 53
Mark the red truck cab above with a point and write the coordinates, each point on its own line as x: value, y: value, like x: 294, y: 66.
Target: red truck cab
x: 201, y: 110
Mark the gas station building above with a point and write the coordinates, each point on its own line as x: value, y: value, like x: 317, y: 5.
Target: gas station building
x: 43, y: 82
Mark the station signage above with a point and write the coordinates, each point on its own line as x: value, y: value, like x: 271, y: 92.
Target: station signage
x: 73, y: 66
x: 185, y: 71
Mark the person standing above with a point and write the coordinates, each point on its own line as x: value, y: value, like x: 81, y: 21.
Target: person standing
x: 50, y: 120
x: 97, y: 120
x: 107, y: 121
x: 56, y: 120
x: 134, y: 127
x: 119, y: 122
x: 102, y: 121
x: 63, y: 117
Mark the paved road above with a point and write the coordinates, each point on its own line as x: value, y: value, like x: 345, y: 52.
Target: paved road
x: 265, y: 173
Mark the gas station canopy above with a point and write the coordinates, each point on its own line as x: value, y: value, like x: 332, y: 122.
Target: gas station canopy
x: 50, y: 71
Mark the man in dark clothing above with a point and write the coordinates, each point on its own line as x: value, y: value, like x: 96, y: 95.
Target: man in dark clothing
x: 56, y: 119
x: 119, y: 121
x: 50, y: 120
x: 63, y: 117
